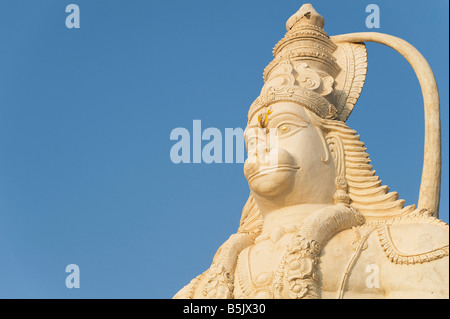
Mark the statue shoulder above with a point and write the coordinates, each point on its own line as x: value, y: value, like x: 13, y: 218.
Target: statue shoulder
x: 415, y: 238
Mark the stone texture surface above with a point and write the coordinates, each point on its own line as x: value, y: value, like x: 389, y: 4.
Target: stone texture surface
x: 318, y: 222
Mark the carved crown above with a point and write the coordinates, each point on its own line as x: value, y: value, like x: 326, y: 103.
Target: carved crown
x: 310, y: 69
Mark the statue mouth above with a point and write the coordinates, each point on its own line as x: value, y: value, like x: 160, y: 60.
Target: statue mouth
x: 272, y: 169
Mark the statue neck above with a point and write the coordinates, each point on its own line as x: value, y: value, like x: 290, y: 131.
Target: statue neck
x: 290, y: 215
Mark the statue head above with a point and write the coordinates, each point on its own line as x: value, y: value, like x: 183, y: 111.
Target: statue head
x: 300, y: 151
x: 289, y: 160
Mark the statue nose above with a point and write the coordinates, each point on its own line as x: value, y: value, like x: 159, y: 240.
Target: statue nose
x: 262, y: 142
x: 262, y: 148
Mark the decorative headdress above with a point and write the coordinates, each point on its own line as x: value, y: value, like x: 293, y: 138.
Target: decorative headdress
x: 310, y: 69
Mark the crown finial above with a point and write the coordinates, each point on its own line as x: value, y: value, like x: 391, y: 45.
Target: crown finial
x: 305, y: 15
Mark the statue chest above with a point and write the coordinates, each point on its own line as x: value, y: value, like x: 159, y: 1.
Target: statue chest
x: 289, y: 268
x: 256, y: 277
x: 260, y: 271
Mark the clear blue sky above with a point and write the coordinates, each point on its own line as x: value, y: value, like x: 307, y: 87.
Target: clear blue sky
x: 86, y: 115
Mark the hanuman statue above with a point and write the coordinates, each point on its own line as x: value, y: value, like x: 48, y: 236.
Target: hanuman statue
x: 318, y: 222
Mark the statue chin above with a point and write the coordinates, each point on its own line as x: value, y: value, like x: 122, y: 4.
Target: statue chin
x: 270, y: 182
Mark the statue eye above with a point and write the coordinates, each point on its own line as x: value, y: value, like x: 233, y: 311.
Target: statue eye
x: 288, y: 128
x: 251, y: 143
x: 284, y: 128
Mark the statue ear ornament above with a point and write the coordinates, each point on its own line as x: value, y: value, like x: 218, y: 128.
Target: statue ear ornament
x: 341, y: 196
x: 336, y: 147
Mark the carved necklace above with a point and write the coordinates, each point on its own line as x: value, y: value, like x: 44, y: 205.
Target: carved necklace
x: 299, y: 267
x: 299, y: 264
x: 265, y: 284
x: 261, y: 287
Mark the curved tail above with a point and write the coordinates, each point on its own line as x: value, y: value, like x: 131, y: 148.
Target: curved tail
x: 430, y: 185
